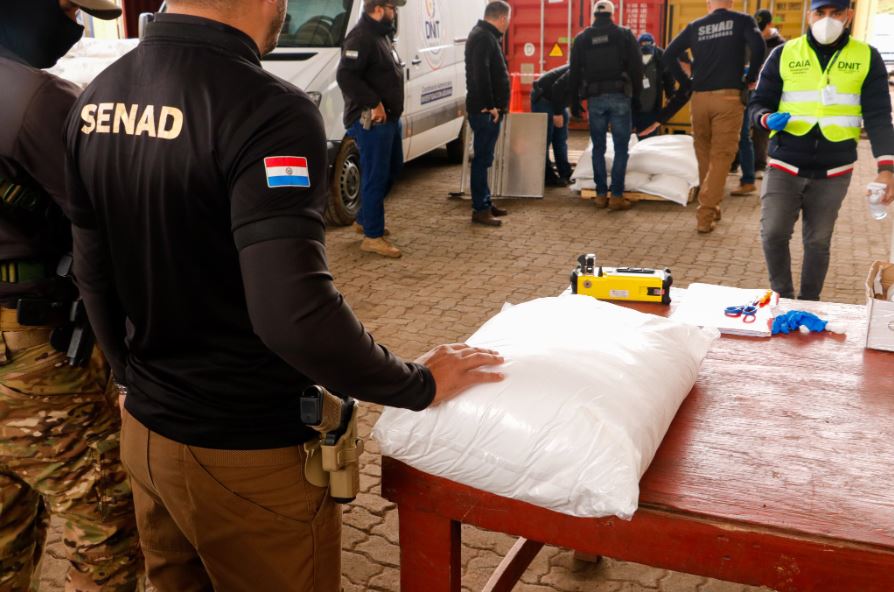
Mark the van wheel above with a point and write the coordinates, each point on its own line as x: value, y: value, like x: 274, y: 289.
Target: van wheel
x: 344, y: 193
x: 456, y: 148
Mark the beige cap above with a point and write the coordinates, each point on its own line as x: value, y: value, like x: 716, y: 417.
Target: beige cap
x: 101, y: 9
x: 604, y: 6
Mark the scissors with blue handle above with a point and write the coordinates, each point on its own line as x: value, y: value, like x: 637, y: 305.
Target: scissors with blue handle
x: 747, y: 312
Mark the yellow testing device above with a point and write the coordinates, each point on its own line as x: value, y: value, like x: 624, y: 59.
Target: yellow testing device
x: 632, y: 284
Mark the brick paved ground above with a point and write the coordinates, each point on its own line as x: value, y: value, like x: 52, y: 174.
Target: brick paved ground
x: 454, y: 276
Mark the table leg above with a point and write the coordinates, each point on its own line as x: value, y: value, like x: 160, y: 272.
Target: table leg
x: 513, y: 566
x: 430, y: 552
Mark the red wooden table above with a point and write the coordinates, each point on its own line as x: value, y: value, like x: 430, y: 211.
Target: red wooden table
x: 778, y: 470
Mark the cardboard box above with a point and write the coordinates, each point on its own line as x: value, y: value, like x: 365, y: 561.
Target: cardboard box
x: 880, y: 329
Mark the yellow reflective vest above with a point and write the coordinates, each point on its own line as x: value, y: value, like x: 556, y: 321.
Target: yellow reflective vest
x: 829, y: 98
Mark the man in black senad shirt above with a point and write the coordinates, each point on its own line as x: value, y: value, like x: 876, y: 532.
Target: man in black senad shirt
x: 718, y: 43
x: 370, y: 76
x: 198, y: 186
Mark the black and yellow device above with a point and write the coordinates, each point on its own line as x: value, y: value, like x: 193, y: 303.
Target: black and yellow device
x: 631, y: 284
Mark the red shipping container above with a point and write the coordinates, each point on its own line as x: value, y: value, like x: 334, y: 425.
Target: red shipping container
x: 541, y: 32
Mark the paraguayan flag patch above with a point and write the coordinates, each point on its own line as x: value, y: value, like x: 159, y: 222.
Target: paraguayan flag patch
x: 286, y: 171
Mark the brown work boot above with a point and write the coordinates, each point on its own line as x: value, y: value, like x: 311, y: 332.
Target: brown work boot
x: 486, y: 217
x: 498, y: 211
x: 618, y: 204
x: 601, y: 201
x: 706, y: 227
x: 359, y: 229
x: 380, y: 246
x: 744, y: 189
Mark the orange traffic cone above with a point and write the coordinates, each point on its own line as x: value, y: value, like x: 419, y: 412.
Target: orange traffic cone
x: 515, y: 96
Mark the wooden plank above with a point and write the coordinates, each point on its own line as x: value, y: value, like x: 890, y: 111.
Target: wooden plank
x: 731, y: 550
x: 510, y: 570
x: 634, y: 196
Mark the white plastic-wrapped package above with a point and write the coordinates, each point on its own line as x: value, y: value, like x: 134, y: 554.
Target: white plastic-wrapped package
x: 675, y: 189
x: 663, y: 165
x: 666, y: 155
x: 584, y: 168
x: 89, y: 57
x: 590, y: 391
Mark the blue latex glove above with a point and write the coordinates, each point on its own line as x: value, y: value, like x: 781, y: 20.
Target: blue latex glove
x: 778, y: 121
x: 792, y: 320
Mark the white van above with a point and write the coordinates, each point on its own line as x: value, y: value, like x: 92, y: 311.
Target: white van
x: 430, y: 40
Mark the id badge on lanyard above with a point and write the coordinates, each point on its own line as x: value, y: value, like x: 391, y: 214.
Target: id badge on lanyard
x: 830, y: 95
x: 830, y: 92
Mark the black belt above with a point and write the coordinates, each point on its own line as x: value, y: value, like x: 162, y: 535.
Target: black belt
x: 594, y: 89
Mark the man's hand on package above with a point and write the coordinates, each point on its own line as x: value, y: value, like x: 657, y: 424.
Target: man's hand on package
x: 887, y: 178
x: 649, y: 130
x: 458, y: 366
x: 379, y: 115
x: 775, y: 121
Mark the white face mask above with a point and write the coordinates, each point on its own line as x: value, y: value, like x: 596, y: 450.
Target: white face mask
x: 646, y: 59
x: 827, y: 30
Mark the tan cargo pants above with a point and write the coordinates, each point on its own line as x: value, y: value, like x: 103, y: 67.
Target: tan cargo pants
x: 716, y: 126
x: 230, y: 520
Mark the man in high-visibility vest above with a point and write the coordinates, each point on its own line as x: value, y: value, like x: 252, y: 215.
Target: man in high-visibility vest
x: 814, y: 95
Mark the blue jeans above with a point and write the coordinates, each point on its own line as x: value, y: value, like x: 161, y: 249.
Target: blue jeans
x: 746, y: 152
x: 612, y: 109
x: 381, y: 160
x: 555, y: 136
x: 485, y: 141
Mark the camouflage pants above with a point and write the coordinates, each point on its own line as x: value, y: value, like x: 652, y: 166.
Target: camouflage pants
x: 59, y: 435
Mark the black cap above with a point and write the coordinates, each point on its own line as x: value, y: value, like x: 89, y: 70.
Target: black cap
x: 763, y: 17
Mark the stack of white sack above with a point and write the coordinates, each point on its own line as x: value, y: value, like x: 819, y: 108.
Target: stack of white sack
x: 89, y: 57
x: 664, y: 166
x: 590, y: 391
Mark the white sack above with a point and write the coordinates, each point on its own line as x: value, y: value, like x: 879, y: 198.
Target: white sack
x: 590, y: 391
x: 663, y: 156
x: 675, y: 189
x: 584, y: 168
x: 666, y: 155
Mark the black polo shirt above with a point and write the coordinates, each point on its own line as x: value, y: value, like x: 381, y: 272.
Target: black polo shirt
x: 176, y: 149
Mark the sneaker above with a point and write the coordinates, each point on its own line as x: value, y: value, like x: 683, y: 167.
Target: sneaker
x: 704, y: 227
x: 359, y: 229
x: 380, y: 246
x: 601, y: 201
x: 744, y: 189
x: 486, y: 218
x: 618, y: 204
x: 759, y: 174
